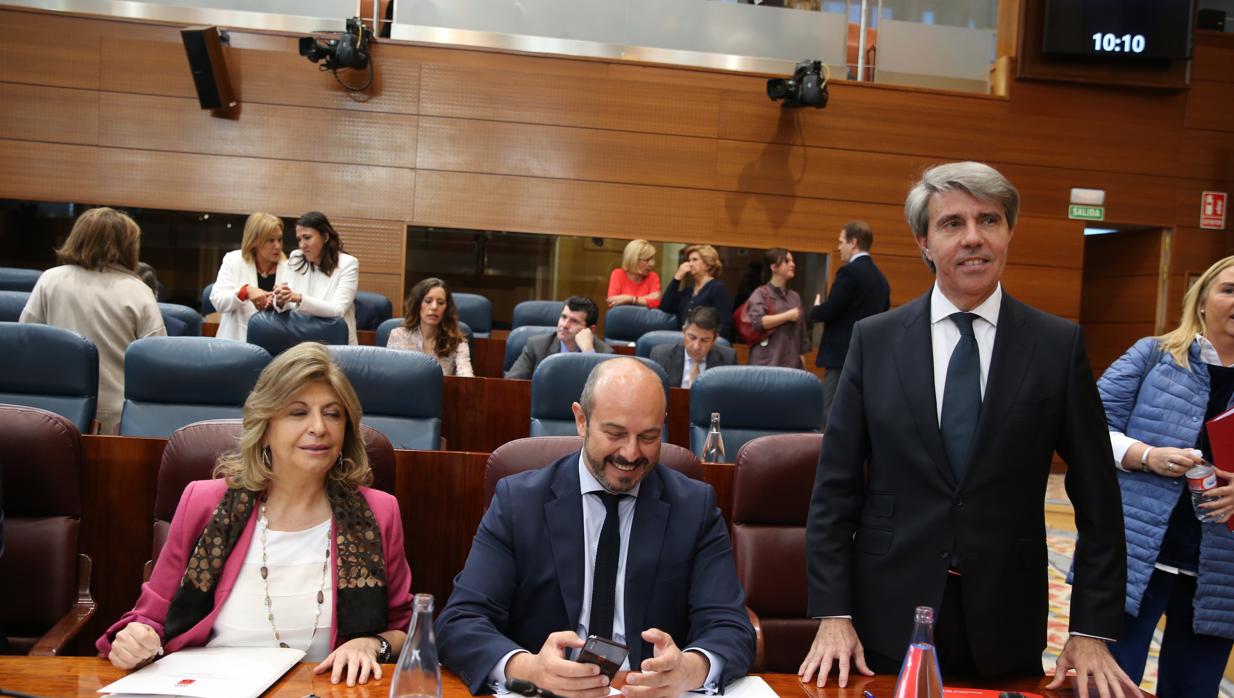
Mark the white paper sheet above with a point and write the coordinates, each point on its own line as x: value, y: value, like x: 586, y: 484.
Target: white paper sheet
x: 745, y: 687
x: 208, y: 672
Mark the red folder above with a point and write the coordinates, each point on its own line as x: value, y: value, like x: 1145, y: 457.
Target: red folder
x: 1221, y: 439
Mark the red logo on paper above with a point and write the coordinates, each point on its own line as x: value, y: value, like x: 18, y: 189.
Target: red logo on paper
x: 185, y: 682
x: 1212, y: 210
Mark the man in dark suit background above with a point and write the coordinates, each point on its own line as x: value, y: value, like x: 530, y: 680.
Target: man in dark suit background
x: 605, y: 542
x: 931, y: 481
x: 685, y: 362
x: 859, y: 291
x: 576, y: 328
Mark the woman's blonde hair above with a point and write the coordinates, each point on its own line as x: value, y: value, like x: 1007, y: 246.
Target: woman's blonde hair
x: 636, y: 251
x: 710, y: 257
x: 1178, y: 343
x: 257, y: 228
x: 101, y: 238
x: 289, y: 373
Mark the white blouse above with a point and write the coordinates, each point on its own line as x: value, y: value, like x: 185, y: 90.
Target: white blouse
x: 294, y: 564
x: 324, y: 296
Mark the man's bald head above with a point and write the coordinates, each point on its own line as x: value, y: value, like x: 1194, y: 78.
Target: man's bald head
x: 627, y: 377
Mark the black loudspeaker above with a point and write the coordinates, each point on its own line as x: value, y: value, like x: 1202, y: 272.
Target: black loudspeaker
x: 204, y: 48
x: 1211, y: 19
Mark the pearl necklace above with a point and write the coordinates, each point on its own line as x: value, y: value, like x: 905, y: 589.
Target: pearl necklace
x: 264, y: 524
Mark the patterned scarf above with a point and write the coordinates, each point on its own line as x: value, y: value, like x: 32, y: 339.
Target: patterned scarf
x: 359, y: 563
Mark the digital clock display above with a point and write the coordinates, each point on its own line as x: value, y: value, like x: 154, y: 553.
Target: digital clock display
x: 1118, y: 29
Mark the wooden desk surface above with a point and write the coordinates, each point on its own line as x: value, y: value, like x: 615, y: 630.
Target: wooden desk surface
x: 84, y: 676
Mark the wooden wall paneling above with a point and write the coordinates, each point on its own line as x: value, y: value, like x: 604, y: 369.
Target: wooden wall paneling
x: 807, y: 224
x: 1122, y: 255
x: 1210, y: 105
x: 1130, y: 198
x: 882, y: 119
x: 258, y: 131
x: 51, y: 172
x: 1122, y: 145
x: 1106, y: 341
x: 279, y: 76
x: 679, y: 417
x: 1092, y: 103
x: 1212, y: 56
x: 548, y: 99
x: 480, y: 414
x: 1192, y: 251
x: 43, y: 54
x: 54, y: 114
x: 825, y: 173
x: 1047, y: 242
x: 562, y: 207
x: 440, y: 496
x: 381, y: 248
x: 1051, y: 289
x: 1188, y: 196
x: 908, y: 277
x: 466, y: 145
x: 116, y: 523
x: 487, y: 356
x: 1119, y: 299
x: 1207, y: 154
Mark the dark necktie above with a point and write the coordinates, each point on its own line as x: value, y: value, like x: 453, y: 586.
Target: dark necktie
x: 604, y: 579
x: 961, y: 396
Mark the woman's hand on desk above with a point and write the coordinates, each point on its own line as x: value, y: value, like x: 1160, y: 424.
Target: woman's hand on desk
x: 356, y: 658
x: 134, y: 645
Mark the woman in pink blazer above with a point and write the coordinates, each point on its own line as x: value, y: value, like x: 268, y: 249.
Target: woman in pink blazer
x: 288, y: 547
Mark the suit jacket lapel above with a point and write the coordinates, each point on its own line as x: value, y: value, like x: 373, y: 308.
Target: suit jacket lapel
x: 676, y: 364
x: 914, y: 357
x: 642, y: 557
x: 565, y: 518
x: 1008, y: 363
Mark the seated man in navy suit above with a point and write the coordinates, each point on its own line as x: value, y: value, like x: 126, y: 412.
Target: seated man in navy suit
x: 698, y: 351
x: 601, y: 542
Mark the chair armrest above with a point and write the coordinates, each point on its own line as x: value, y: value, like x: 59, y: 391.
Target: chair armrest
x: 62, y: 633
x: 757, y: 666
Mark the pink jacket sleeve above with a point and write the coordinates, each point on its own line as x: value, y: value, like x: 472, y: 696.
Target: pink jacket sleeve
x: 398, y: 572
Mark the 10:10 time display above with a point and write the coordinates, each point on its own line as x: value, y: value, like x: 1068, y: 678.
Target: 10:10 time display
x: 1112, y: 43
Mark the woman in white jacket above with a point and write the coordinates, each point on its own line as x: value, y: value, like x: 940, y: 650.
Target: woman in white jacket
x: 321, y: 278
x: 247, y: 276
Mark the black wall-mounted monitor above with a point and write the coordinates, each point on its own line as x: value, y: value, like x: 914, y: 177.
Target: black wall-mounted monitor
x: 1119, y: 29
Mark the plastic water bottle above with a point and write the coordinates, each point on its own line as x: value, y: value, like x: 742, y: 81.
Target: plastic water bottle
x: 713, y: 447
x: 919, y: 675
x: 418, y: 675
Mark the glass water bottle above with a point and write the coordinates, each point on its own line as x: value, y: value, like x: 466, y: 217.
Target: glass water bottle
x: 418, y: 675
x: 713, y: 447
x: 919, y: 675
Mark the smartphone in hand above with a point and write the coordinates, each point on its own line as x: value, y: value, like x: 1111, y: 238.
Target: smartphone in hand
x: 604, y: 653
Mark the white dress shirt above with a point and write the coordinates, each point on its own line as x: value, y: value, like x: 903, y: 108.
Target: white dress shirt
x: 593, y: 522
x: 944, y: 335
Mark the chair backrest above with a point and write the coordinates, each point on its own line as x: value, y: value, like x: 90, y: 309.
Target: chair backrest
x: 626, y: 323
x: 517, y: 339
x: 557, y: 384
x: 372, y: 309
x: 206, y: 306
x: 278, y: 332
x: 534, y: 452
x: 754, y: 401
x: 50, y: 368
x: 186, y: 315
x: 541, y: 313
x: 772, y: 483
x: 192, y: 451
x: 400, y: 392
x: 40, y: 458
x: 173, y: 381
x: 476, y: 311
x: 14, y: 279
x: 11, y: 305
x: 655, y: 338
x: 385, y: 328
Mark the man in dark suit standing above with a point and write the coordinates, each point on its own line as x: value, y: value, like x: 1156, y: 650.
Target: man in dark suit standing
x: 931, y: 481
x: 859, y: 291
x: 576, y: 328
x: 685, y: 362
x: 601, y: 542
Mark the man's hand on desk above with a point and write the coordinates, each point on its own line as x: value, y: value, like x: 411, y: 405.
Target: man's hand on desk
x: 669, y: 673
x: 1091, y: 659
x: 135, y: 644
x: 837, y: 641
x: 550, y: 670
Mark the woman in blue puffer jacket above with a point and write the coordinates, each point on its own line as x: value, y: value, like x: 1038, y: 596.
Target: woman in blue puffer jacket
x: 1157, y: 397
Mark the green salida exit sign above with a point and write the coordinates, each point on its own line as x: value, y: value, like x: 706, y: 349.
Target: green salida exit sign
x: 1086, y: 213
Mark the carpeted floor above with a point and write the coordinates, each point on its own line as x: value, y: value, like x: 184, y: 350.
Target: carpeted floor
x: 1061, y: 543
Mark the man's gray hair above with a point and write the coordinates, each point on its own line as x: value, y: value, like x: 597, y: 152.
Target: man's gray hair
x: 978, y: 179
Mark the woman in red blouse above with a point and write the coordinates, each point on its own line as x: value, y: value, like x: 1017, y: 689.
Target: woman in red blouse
x: 634, y: 282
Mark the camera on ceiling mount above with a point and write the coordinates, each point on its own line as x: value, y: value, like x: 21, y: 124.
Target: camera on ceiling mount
x: 349, y: 50
x: 807, y: 87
